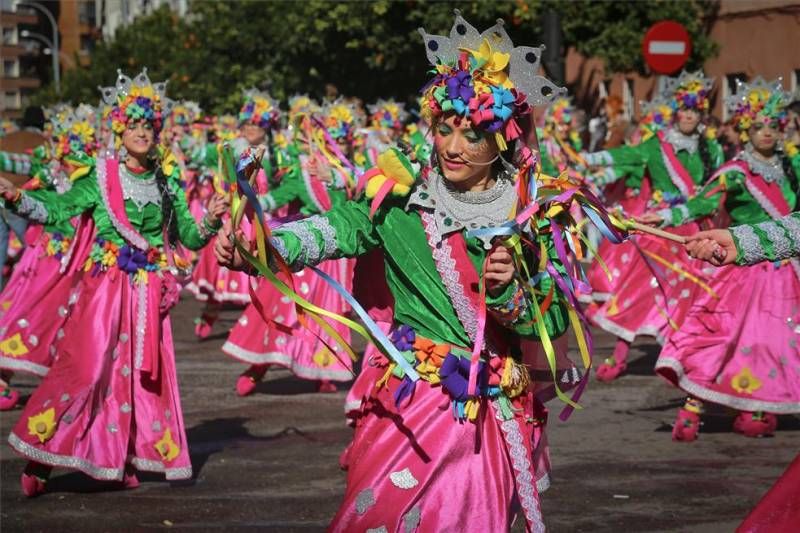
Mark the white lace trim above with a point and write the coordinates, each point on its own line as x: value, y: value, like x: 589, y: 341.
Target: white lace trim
x: 523, y: 470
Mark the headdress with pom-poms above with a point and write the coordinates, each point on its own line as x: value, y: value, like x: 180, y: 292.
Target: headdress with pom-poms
x: 301, y: 105
x: 484, y: 77
x: 137, y: 99
x: 387, y: 114
x: 341, y: 119
x: 758, y: 97
x: 261, y: 109
x: 185, y: 113
x: 73, y: 131
x: 226, y: 127
x: 656, y: 115
x: 689, y: 90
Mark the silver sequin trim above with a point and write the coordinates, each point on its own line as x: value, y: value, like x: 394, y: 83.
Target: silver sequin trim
x: 792, y: 225
x: 75, y: 463
x: 364, y: 500
x: 777, y: 237
x: 328, y: 233
x: 681, y: 141
x: 309, y: 248
x: 381, y: 529
x: 148, y: 465
x: 32, y: 209
x: 748, y: 241
x: 141, y: 320
x: 141, y: 191
x: 403, y: 479
x: 771, y: 171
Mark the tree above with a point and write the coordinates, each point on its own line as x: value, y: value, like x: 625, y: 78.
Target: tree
x: 367, y: 49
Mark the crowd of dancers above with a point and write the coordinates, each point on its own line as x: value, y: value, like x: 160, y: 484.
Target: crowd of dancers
x: 463, y: 238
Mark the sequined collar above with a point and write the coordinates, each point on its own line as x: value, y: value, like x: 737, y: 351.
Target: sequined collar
x: 455, y: 210
x: 769, y: 169
x: 140, y: 190
x: 681, y: 141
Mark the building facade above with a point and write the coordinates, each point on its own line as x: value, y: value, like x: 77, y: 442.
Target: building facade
x: 18, y: 75
x: 755, y: 37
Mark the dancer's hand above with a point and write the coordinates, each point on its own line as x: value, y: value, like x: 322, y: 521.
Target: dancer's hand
x: 8, y: 190
x: 226, y: 253
x: 321, y: 169
x: 499, y: 270
x: 650, y: 219
x: 715, y: 246
x: 218, y: 205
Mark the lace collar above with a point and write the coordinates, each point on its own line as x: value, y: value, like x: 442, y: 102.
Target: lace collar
x: 681, y: 141
x: 769, y: 169
x: 456, y: 210
x: 139, y: 190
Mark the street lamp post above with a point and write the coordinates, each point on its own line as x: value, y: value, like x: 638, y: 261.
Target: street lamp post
x: 55, y: 44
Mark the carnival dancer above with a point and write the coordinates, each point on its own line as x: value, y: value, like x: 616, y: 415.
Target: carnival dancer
x: 37, y: 300
x: 409, y: 453
x: 742, y: 354
x: 652, y: 279
x: 212, y: 283
x: 110, y: 402
x: 317, y: 179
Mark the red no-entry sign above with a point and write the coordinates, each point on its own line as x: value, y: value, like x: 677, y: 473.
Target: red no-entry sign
x: 666, y: 46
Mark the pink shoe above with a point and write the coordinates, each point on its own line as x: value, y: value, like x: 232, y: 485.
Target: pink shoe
x: 755, y: 424
x: 129, y: 480
x: 247, y: 382
x: 687, y: 426
x: 203, y: 326
x: 610, y: 370
x: 326, y: 386
x: 8, y: 399
x: 32, y: 486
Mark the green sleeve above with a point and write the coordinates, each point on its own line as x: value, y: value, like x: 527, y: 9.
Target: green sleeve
x: 514, y: 309
x: 774, y: 240
x: 193, y: 234
x: 287, y: 191
x: 704, y: 204
x: 344, y: 231
x: 49, y: 207
x: 623, y: 162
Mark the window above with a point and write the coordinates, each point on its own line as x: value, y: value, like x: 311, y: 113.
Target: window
x: 86, y: 13
x: 10, y: 35
x: 11, y: 100
x: 10, y: 68
x: 87, y: 43
x: 728, y: 89
x: 795, y: 82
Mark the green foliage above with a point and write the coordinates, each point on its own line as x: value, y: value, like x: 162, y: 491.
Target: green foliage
x: 368, y: 49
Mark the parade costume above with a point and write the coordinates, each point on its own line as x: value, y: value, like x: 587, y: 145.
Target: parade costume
x: 110, y: 399
x: 211, y: 282
x: 307, y: 351
x: 36, y: 302
x: 410, y: 450
x: 744, y: 354
x: 652, y: 280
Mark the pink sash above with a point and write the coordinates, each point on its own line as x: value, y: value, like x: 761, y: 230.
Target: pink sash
x: 677, y: 172
x: 111, y: 192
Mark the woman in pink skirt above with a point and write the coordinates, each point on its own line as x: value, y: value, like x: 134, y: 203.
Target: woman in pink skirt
x: 110, y: 402
x: 212, y: 283
x: 738, y: 348
x: 312, y: 182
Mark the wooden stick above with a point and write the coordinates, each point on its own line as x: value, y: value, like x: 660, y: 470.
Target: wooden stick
x: 656, y: 232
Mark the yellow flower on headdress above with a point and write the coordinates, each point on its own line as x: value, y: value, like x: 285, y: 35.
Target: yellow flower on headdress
x: 745, y: 382
x: 166, y: 447
x: 14, y: 346
x: 145, y: 91
x: 493, y: 64
x: 43, y: 425
x: 341, y: 113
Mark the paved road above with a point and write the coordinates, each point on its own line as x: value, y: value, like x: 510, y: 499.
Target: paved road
x: 269, y: 462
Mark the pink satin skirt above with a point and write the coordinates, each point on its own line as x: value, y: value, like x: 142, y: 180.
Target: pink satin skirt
x: 38, y: 300
x: 741, y: 349
x: 284, y: 341
x: 111, y: 396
